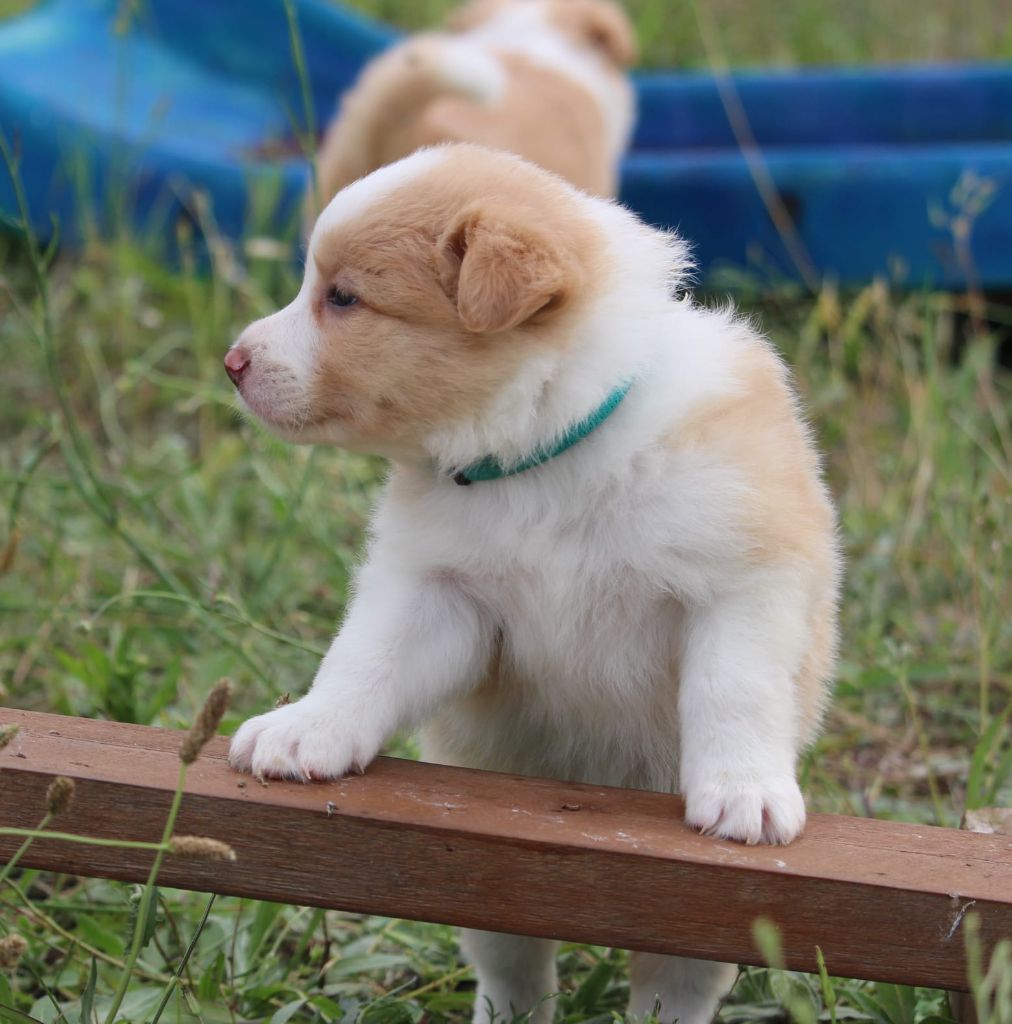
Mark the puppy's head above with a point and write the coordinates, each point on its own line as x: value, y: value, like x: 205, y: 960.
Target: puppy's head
x: 429, y: 285
x: 599, y: 25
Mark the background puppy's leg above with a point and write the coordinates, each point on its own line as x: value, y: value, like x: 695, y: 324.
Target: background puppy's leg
x: 515, y: 973
x: 688, y: 991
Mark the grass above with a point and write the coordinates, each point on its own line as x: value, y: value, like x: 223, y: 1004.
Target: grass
x: 792, y: 32
x: 150, y: 543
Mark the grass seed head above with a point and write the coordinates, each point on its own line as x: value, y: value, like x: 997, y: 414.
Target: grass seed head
x: 202, y: 847
x: 7, y: 733
x: 60, y: 794
x: 12, y: 949
x: 207, y: 721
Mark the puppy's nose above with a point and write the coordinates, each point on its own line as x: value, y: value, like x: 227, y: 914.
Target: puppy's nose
x: 236, y: 364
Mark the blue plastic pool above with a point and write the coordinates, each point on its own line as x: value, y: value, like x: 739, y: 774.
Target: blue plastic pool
x: 872, y: 165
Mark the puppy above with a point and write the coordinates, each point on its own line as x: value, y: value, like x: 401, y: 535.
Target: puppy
x: 540, y: 78
x: 604, y: 551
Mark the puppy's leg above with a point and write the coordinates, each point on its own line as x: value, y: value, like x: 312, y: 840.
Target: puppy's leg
x: 688, y: 991
x: 515, y: 974
x: 738, y: 710
x: 409, y: 643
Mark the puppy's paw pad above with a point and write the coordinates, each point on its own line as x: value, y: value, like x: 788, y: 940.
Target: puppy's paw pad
x: 764, y: 811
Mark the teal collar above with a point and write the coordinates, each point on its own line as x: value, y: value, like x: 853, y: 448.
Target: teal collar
x: 490, y: 468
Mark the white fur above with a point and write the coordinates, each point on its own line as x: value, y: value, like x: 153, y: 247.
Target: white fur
x: 603, y: 575
x: 285, y: 345
x: 373, y: 189
x: 683, y: 988
x: 516, y: 975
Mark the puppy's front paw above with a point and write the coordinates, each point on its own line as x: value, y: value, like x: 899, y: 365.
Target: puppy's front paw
x: 764, y: 810
x: 302, y: 741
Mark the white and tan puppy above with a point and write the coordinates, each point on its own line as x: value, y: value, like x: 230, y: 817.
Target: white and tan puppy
x: 652, y: 607
x: 544, y: 79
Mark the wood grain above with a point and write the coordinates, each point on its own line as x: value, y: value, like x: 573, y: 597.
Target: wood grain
x: 884, y: 900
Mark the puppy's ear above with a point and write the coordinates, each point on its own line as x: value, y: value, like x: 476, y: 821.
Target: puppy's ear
x: 500, y: 271
x: 602, y: 25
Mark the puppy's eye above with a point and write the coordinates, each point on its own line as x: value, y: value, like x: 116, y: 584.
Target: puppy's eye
x: 340, y: 298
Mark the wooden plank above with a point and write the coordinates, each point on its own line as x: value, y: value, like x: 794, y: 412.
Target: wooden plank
x: 884, y: 900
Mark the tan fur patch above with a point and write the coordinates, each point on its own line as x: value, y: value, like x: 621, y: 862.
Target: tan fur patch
x: 789, y: 517
x: 444, y: 276
x: 500, y: 269
x: 545, y: 117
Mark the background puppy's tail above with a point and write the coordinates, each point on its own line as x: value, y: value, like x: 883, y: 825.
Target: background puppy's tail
x: 457, y: 67
x: 392, y: 91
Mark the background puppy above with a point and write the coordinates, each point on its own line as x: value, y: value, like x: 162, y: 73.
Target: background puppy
x: 540, y: 78
x: 653, y: 607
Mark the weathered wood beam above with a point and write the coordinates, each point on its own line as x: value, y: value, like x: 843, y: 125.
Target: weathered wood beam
x: 883, y: 900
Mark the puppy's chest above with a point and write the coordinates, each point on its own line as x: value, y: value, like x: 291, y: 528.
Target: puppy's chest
x: 576, y: 606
